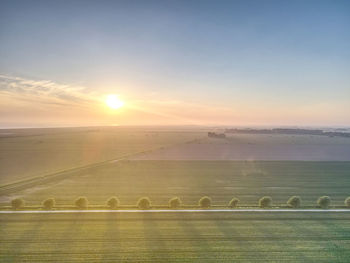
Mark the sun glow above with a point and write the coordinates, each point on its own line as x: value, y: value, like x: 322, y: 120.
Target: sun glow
x: 114, y: 102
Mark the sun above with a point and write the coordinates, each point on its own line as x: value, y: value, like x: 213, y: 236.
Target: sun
x: 114, y: 102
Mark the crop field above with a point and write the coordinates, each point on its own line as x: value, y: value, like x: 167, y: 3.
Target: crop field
x: 147, y: 237
x: 174, y: 131
x: 190, y: 180
x: 257, y: 147
x: 27, y: 153
x: 161, y: 164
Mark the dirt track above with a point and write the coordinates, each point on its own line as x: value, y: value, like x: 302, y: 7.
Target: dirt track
x: 179, y: 211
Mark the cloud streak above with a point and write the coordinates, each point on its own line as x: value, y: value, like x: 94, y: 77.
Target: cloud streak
x: 44, y: 91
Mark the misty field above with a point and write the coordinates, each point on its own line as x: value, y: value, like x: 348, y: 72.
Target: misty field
x: 190, y: 180
x: 27, y: 153
x: 219, y: 237
x: 257, y: 147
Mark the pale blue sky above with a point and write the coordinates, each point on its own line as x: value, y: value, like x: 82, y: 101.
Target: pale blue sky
x: 277, y: 54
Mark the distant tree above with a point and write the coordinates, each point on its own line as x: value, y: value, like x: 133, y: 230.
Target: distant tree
x: 17, y: 203
x: 216, y: 135
x: 294, y: 202
x: 49, y: 203
x: 144, y: 203
x: 205, y: 202
x: 113, y: 202
x: 324, y: 201
x: 233, y: 203
x: 175, y: 202
x: 81, y: 202
x: 347, y: 202
x: 265, y: 201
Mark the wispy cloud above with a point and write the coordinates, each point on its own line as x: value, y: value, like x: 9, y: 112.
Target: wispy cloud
x: 44, y: 91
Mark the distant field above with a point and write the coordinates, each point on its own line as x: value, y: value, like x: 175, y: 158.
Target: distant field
x: 219, y: 237
x: 161, y: 180
x: 258, y: 147
x: 26, y: 153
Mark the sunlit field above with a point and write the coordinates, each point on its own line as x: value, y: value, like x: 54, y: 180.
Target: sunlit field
x: 27, y: 153
x: 220, y: 237
x: 180, y: 131
x: 190, y: 180
x: 162, y: 163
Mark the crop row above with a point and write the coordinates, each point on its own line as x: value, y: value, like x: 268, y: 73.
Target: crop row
x: 175, y: 202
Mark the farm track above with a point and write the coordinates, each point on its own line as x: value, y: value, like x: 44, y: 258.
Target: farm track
x: 181, y: 211
x: 60, y: 175
x: 25, y: 184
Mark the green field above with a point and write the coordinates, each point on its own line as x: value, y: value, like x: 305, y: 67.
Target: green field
x: 219, y: 237
x: 190, y: 180
x: 169, y: 237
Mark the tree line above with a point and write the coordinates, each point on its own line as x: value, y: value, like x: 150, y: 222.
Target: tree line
x: 175, y: 202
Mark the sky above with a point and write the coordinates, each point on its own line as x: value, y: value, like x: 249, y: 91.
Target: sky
x: 236, y: 63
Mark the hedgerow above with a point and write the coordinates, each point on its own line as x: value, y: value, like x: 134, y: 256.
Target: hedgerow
x: 294, y: 202
x: 265, y: 201
x: 324, y: 201
x: 144, y: 203
x: 175, y: 202
x: 81, y: 202
x: 205, y: 202
x: 49, y: 203
x: 347, y: 202
x: 17, y: 203
x: 233, y: 203
x: 113, y: 202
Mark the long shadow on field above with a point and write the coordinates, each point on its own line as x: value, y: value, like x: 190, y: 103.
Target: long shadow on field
x: 338, y: 240
x: 28, y: 237
x: 304, y: 233
x: 111, y: 234
x: 199, y: 243
x: 70, y: 239
x: 154, y: 239
x: 275, y: 245
x: 259, y: 241
x: 231, y: 234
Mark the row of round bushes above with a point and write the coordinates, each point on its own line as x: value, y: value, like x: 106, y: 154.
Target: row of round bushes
x: 204, y: 202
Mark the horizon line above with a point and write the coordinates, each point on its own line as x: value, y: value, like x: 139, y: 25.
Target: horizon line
x: 175, y: 125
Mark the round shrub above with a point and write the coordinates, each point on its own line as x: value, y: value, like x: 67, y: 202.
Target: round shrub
x: 205, y: 202
x: 233, y: 203
x: 294, y: 202
x: 17, y: 203
x: 324, y: 201
x: 49, y: 203
x: 81, y: 202
x: 175, y: 202
x: 144, y: 203
x: 347, y: 202
x: 113, y: 202
x: 265, y: 201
